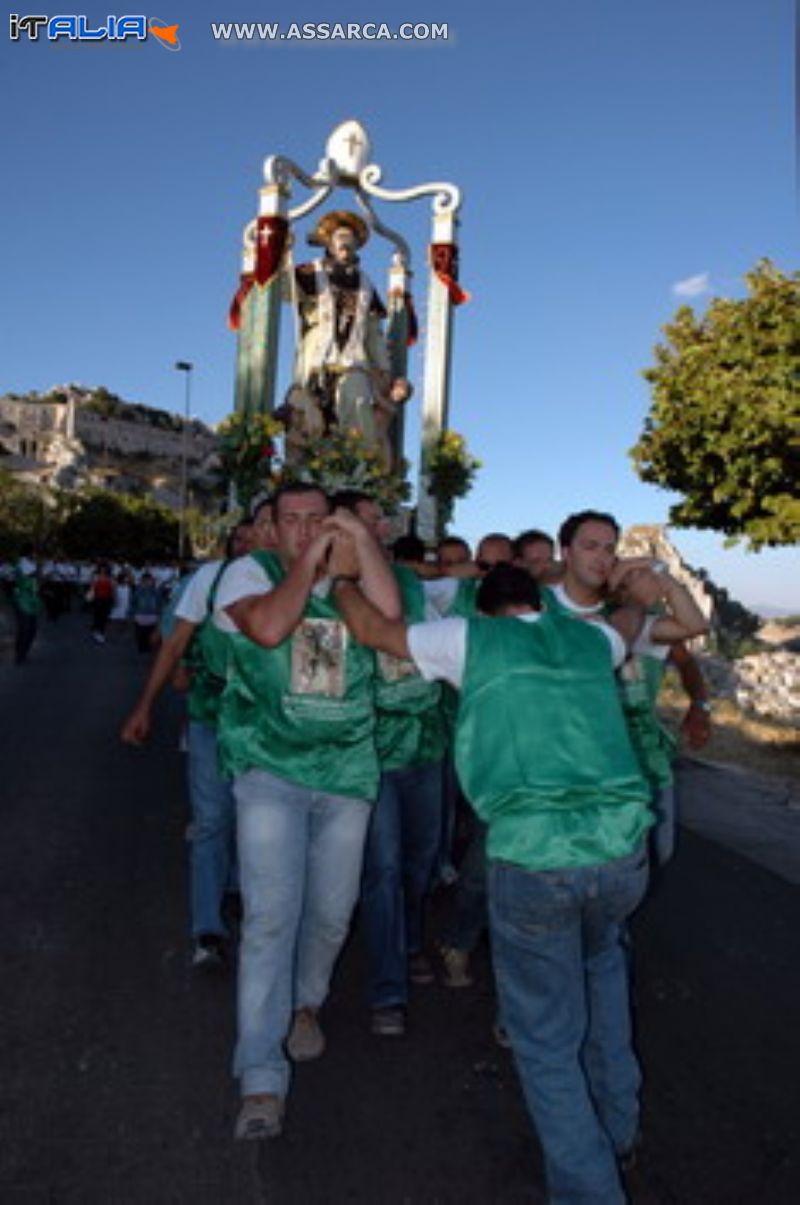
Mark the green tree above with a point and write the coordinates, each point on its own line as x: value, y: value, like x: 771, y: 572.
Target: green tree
x: 724, y: 425
x: 27, y: 516
x: 103, y: 524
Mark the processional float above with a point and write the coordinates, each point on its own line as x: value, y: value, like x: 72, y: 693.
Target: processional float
x: 269, y: 276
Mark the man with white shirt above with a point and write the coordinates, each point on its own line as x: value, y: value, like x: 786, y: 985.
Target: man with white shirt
x: 543, y: 755
x: 193, y: 639
x: 588, y: 541
x: 297, y: 734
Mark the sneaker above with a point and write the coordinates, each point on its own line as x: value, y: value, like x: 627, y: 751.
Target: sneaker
x: 306, y: 1040
x: 261, y: 1116
x: 420, y: 969
x: 456, y: 967
x: 389, y: 1022
x: 448, y: 874
x: 209, y: 951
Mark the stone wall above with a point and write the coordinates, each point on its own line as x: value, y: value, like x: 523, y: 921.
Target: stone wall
x: 67, y: 443
x: 764, y: 684
x: 769, y: 685
x: 136, y: 438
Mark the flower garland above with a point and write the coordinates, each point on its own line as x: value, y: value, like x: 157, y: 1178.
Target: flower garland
x: 343, y: 460
x: 247, y: 451
x: 451, y: 470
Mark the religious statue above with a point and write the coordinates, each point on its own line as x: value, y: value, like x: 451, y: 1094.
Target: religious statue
x: 342, y: 371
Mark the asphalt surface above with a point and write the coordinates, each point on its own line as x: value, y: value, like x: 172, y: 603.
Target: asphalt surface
x: 114, y: 1055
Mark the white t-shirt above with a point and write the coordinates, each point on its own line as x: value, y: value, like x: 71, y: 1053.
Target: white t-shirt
x: 122, y: 601
x: 439, y: 649
x: 643, y: 645
x: 440, y: 593
x: 243, y: 578
x: 193, y: 602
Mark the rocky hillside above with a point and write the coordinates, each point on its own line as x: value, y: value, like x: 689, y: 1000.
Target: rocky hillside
x: 72, y: 436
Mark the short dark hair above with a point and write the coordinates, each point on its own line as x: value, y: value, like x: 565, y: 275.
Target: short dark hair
x: 349, y: 499
x: 297, y: 487
x: 454, y: 542
x: 408, y: 548
x: 495, y: 535
x: 267, y: 500
x: 569, y: 527
x: 532, y: 536
x: 237, y: 527
x: 507, y: 586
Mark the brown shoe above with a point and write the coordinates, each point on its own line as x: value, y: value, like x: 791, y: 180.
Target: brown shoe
x: 388, y: 1022
x: 456, y: 967
x: 261, y: 1116
x: 306, y: 1040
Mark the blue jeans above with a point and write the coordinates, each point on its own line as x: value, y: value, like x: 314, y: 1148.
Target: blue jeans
x: 300, y: 854
x: 561, y: 973
x: 662, y: 834
x: 471, y: 918
x: 399, y: 860
x: 212, y: 858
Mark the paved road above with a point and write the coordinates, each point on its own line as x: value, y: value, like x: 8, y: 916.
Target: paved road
x: 115, y: 1087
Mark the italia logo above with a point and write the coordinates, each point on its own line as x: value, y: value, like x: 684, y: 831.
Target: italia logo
x: 74, y: 28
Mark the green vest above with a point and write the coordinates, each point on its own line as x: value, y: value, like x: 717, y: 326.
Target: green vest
x: 207, y: 659
x: 304, y: 709
x: 542, y: 750
x: 26, y: 593
x: 465, y: 602
x: 411, y: 727
x: 639, y: 683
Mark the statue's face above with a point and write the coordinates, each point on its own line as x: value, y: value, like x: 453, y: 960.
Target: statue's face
x: 342, y: 247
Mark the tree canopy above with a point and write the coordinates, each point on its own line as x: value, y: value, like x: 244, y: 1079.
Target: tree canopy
x: 122, y: 529
x: 724, y: 424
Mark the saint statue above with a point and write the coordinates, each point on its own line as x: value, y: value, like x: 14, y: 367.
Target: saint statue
x: 343, y: 373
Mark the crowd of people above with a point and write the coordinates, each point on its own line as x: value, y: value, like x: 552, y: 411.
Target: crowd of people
x: 114, y: 594
x: 341, y: 696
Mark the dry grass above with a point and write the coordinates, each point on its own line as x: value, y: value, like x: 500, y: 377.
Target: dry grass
x: 757, y: 744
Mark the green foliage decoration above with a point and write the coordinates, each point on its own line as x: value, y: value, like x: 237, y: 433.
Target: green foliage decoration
x: 452, y: 470
x: 247, y: 451
x: 135, y: 530
x: 342, y: 460
x: 724, y: 424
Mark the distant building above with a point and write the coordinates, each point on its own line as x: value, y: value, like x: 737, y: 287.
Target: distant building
x: 73, y: 436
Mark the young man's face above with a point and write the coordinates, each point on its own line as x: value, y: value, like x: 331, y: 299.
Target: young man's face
x: 297, y: 522
x: 371, y: 515
x: 494, y: 550
x: 262, y: 530
x: 591, y: 555
x: 537, y: 558
x: 452, y: 554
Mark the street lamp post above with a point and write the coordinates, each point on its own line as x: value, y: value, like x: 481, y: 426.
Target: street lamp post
x: 185, y: 367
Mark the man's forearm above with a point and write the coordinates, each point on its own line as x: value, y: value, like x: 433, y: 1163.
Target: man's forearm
x: 167, y: 658
x: 367, y: 624
x: 690, y: 673
x: 377, y: 579
x: 269, y: 618
x: 685, y: 620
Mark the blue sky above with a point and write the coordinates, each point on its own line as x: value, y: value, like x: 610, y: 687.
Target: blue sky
x: 607, y: 152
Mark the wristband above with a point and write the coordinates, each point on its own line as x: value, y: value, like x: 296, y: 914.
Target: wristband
x: 343, y: 577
